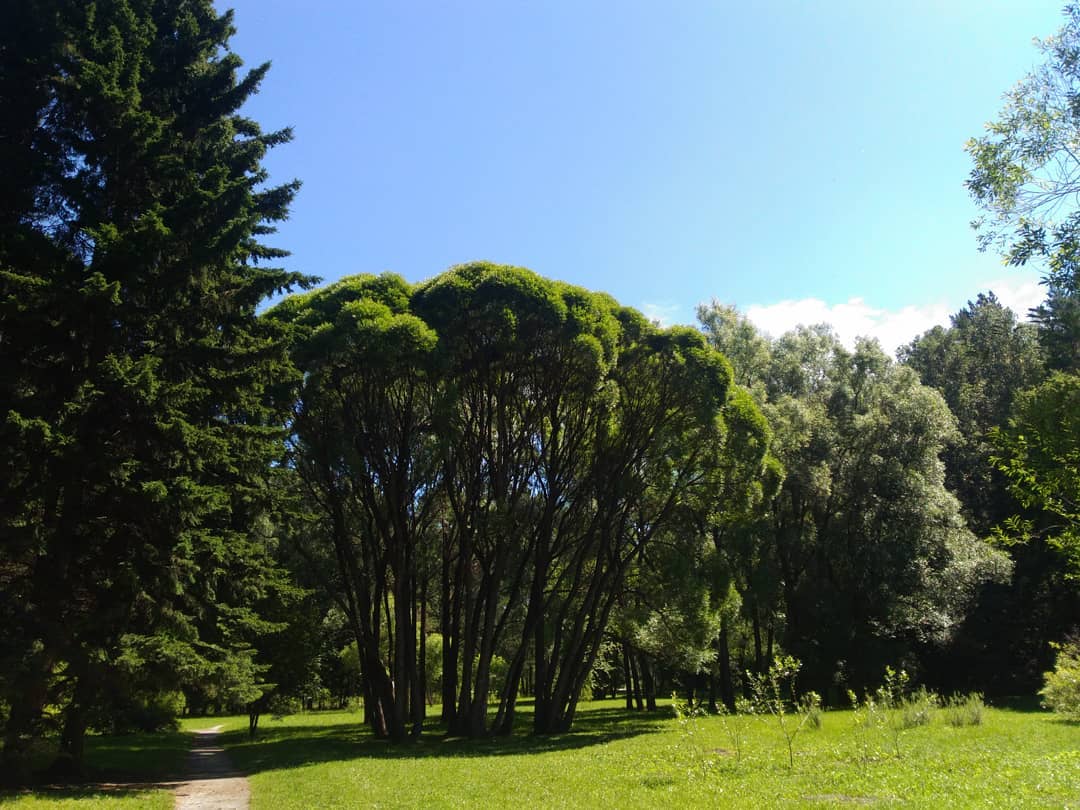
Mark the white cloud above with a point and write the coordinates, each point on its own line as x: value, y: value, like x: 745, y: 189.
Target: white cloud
x: 851, y: 320
x: 663, y: 312
x: 1019, y: 293
x: 892, y: 327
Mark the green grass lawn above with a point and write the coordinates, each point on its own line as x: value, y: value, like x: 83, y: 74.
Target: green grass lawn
x: 615, y: 759
x: 618, y: 759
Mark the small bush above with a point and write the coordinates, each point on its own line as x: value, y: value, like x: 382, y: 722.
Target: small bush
x: 964, y: 710
x: 1061, y: 691
x: 810, y: 706
x: 144, y: 712
x: 917, y: 709
x: 281, y: 706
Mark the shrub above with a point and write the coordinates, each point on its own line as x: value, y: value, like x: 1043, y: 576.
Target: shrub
x: 1061, y: 691
x: 893, y: 710
x: 281, y: 706
x: 145, y: 712
x: 917, y: 709
x: 964, y: 710
x: 810, y: 708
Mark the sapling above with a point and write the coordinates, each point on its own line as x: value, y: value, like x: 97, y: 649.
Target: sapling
x: 735, y: 723
x: 891, y: 697
x: 774, y: 692
x: 687, y: 714
x: 866, y: 717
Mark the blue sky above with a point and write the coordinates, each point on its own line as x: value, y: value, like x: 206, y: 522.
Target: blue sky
x: 802, y: 160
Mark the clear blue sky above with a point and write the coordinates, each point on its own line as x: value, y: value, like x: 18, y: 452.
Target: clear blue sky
x: 666, y: 152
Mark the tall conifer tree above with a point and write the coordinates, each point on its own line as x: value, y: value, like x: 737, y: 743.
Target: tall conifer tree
x: 134, y: 376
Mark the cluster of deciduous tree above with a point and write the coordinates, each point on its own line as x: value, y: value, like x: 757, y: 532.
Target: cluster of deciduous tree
x: 862, y: 556
x: 489, y: 454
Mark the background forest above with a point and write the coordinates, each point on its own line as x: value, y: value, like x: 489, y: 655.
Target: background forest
x: 488, y: 486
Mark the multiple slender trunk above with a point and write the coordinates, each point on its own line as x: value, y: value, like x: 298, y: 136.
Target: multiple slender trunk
x: 527, y: 470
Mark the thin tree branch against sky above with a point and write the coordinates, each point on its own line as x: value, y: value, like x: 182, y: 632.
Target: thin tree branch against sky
x: 666, y: 153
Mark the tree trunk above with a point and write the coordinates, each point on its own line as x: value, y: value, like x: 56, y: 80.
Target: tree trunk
x: 71, y: 762
x: 727, y: 686
x: 758, y: 657
x: 638, y: 703
x: 714, y: 707
x: 450, y: 623
x: 649, y: 685
x: 421, y: 695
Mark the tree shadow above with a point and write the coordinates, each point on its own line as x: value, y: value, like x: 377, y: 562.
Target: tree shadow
x: 99, y: 792
x: 1019, y: 703
x: 296, y: 745
x: 116, y: 765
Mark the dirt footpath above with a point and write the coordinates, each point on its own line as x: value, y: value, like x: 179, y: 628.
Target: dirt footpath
x: 211, y: 782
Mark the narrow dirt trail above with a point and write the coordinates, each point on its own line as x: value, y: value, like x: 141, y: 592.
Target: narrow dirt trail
x: 211, y: 782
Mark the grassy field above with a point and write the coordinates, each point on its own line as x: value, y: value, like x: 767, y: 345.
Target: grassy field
x: 615, y: 758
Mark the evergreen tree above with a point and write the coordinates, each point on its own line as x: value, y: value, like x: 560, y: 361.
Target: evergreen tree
x: 134, y: 376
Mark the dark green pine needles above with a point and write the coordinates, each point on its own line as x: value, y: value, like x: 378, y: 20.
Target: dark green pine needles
x: 136, y: 408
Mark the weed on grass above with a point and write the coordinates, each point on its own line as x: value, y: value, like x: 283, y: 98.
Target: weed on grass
x: 964, y: 710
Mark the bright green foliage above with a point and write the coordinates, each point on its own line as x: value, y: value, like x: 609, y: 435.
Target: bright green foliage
x: 1039, y: 453
x: 745, y: 348
x: 863, y: 555
x: 1061, y: 691
x: 364, y: 448
x: 136, y: 420
x: 977, y: 364
x: 1025, y: 178
x: 508, y: 447
x: 775, y: 693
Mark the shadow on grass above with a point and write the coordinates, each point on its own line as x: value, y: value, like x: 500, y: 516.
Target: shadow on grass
x: 138, y: 757
x: 292, y: 746
x: 91, y: 792
x: 116, y: 766
x: 1019, y: 703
